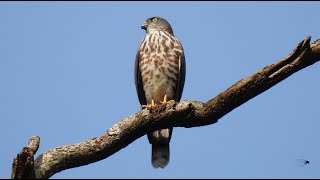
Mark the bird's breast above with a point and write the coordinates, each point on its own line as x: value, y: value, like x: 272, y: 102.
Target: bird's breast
x: 159, y: 64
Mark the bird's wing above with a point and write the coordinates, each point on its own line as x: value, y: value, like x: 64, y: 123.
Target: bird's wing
x: 181, y: 76
x: 138, y: 80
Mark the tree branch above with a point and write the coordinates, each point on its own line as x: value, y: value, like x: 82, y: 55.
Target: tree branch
x: 23, y: 164
x: 182, y: 114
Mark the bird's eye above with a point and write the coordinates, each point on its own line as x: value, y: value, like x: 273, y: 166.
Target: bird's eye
x: 155, y: 19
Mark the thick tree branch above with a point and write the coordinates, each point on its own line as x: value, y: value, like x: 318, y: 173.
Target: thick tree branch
x: 182, y: 114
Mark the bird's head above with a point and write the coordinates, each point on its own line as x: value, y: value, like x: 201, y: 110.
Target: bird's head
x: 156, y: 24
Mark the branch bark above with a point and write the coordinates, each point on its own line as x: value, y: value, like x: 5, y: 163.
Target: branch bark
x: 175, y: 114
x: 23, y: 164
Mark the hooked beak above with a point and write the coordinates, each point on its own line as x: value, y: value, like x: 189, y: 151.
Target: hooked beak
x: 144, y: 25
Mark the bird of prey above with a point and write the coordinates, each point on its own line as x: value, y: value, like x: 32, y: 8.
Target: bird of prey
x: 159, y: 77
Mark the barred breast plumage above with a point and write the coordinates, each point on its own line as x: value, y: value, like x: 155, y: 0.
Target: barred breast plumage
x: 159, y: 64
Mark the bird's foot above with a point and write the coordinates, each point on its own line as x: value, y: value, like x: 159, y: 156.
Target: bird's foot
x: 164, y: 100
x: 149, y: 106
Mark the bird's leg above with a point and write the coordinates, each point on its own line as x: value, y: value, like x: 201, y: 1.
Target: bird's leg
x: 149, y: 106
x: 164, y: 100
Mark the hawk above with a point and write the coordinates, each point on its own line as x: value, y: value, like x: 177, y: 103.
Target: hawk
x: 159, y: 77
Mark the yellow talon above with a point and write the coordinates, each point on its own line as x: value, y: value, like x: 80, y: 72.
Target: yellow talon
x: 149, y: 106
x: 164, y: 100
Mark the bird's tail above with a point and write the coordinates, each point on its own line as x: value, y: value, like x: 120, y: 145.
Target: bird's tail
x: 160, y: 155
x: 160, y: 147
